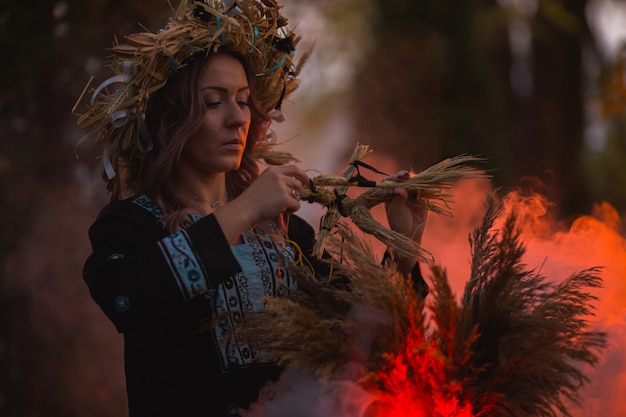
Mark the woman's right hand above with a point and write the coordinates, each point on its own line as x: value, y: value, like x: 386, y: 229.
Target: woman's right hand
x: 275, y: 191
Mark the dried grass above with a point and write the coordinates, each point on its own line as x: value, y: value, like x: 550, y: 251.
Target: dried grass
x: 512, y: 347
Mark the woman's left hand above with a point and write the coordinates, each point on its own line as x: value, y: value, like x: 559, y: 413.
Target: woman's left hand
x: 403, y: 217
x: 410, y: 220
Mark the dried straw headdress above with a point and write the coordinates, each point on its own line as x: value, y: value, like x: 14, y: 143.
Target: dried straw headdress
x: 116, y: 111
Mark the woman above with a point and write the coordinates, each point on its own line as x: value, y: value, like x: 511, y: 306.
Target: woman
x: 194, y: 236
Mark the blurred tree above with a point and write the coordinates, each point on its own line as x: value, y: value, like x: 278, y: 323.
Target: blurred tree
x: 501, y: 79
x: 443, y: 77
x: 49, y: 49
x: 427, y: 90
x: 547, y: 136
x: 605, y: 167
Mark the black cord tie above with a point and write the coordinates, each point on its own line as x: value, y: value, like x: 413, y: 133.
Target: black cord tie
x: 361, y: 181
x: 282, y: 96
x: 314, y: 191
x: 338, y: 200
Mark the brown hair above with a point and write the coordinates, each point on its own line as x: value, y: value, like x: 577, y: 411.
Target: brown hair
x: 173, y: 115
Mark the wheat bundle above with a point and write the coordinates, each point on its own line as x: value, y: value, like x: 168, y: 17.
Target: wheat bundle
x: 432, y: 188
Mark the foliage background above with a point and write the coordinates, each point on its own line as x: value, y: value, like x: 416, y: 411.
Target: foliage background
x: 419, y: 81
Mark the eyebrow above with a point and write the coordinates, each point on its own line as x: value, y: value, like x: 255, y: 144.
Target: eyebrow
x: 222, y: 89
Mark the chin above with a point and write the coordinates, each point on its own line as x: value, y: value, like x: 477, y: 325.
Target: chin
x: 231, y: 167
x: 227, y: 164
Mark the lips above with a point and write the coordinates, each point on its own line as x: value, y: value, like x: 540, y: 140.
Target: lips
x: 235, y: 144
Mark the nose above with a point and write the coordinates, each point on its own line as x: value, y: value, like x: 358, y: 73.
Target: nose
x: 238, y: 115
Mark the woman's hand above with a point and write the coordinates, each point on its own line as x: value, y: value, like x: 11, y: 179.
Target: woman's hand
x: 276, y: 191
x: 404, y: 217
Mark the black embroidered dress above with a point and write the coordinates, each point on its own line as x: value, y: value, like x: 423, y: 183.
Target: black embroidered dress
x: 157, y: 288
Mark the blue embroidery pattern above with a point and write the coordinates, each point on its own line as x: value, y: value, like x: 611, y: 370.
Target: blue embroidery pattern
x: 184, y: 264
x: 179, y: 254
x: 263, y: 258
x: 149, y: 204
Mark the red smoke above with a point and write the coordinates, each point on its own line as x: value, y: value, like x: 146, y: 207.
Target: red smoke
x: 556, y: 249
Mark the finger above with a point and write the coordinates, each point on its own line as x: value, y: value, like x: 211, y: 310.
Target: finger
x: 293, y: 204
x: 292, y: 186
x: 399, y: 176
x: 296, y: 173
x: 294, y: 183
x: 400, y: 194
x: 295, y: 193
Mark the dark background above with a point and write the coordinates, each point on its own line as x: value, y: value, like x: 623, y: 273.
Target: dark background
x: 439, y: 78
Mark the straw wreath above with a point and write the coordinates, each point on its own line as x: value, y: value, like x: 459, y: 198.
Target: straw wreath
x: 115, y: 111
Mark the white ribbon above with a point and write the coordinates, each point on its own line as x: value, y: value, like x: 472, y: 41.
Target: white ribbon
x: 106, y: 161
x: 129, y: 70
x: 117, y: 118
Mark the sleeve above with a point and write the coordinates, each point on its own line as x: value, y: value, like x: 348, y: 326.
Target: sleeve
x: 419, y: 284
x: 141, y: 277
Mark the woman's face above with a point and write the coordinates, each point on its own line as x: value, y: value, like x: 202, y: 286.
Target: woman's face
x: 218, y: 145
